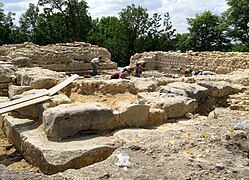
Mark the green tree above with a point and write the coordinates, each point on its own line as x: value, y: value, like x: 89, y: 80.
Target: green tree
x: 79, y: 20
x: 106, y: 32
x: 182, y: 42
x: 236, y: 19
x: 151, y: 40
x: 206, y: 32
x: 6, y: 26
x: 168, y: 35
x: 134, y: 24
x: 70, y: 16
x: 28, y: 21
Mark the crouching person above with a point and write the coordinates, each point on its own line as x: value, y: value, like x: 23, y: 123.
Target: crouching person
x: 118, y: 74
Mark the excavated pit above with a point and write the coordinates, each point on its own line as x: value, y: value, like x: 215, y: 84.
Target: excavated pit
x: 134, y: 106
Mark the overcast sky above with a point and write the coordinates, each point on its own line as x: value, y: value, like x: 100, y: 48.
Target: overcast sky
x: 178, y: 10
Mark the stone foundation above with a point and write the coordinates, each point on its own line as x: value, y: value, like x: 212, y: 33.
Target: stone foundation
x: 176, y: 62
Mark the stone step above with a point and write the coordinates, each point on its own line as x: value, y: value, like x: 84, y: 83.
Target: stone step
x: 52, y: 157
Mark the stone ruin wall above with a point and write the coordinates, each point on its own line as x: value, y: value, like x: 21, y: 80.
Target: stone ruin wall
x: 169, y: 62
x: 175, y: 62
x: 58, y: 57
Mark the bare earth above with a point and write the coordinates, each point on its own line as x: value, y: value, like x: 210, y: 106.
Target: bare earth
x: 200, y: 147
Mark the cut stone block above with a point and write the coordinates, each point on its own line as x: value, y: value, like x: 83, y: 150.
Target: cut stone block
x: 157, y: 117
x: 15, y: 90
x: 175, y: 106
x: 114, y: 86
x: 132, y: 115
x: 193, y: 91
x: 38, y: 78
x: 52, y: 157
x: 221, y: 88
x: 146, y: 84
x: 64, y: 120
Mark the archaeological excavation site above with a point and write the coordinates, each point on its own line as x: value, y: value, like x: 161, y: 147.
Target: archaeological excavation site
x: 63, y: 123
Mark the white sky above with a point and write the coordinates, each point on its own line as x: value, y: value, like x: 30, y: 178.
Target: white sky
x: 178, y: 10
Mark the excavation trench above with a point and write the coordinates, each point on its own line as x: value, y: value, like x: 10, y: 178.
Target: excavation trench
x: 78, y: 132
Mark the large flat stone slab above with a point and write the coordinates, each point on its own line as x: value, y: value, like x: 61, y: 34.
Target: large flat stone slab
x: 174, y: 106
x: 52, y: 157
x: 193, y: 91
x: 67, y: 120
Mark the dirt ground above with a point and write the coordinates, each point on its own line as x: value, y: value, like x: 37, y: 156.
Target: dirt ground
x: 198, y: 148
x: 202, y: 147
x: 11, y: 158
x: 111, y: 100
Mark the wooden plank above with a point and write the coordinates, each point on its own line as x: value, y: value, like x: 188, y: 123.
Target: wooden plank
x: 17, y: 103
x: 51, y: 92
x: 61, y: 85
x: 24, y: 99
x: 24, y: 104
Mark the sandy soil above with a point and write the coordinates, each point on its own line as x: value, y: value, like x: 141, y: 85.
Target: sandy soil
x: 11, y: 158
x: 111, y: 100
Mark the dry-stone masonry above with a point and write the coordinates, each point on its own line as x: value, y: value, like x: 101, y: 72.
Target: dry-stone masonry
x: 176, y: 62
x: 65, y: 57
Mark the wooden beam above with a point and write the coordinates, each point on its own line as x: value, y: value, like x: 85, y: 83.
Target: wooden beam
x: 35, y: 98
x: 61, y: 85
x: 24, y: 104
x: 23, y: 99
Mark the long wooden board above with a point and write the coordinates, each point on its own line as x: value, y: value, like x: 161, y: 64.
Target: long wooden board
x: 61, y: 85
x: 24, y: 104
x: 17, y: 103
x: 24, y: 99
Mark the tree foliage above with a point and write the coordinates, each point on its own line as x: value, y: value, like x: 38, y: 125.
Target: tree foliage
x: 236, y: 19
x: 134, y: 24
x: 6, y: 26
x: 206, y: 32
x: 106, y: 32
x: 62, y: 21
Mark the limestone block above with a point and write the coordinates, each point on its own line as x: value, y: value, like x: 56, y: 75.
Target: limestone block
x: 4, y: 85
x: 38, y: 78
x: 57, y: 100
x: 148, y: 84
x: 55, y: 67
x: 220, y: 89
x: 116, y: 86
x: 64, y: 120
x: 156, y: 117
x: 21, y: 61
x: 52, y: 157
x: 33, y: 111
x: 132, y: 115
x: 7, y: 73
x: 193, y: 91
x: 86, y: 86
x: 5, y: 58
x: 15, y: 90
x: 175, y: 106
x: 3, y: 99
